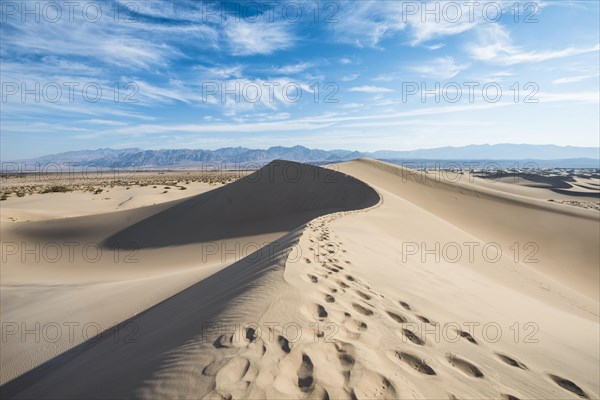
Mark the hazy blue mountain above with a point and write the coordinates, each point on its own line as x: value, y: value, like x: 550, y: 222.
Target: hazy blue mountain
x: 118, y: 158
x: 496, y: 152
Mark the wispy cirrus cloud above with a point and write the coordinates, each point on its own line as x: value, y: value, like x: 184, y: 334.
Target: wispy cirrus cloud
x: 494, y: 45
x: 573, y: 79
x: 262, y: 37
x: 368, y: 23
x: 292, y: 68
x: 370, y: 89
x: 440, y: 68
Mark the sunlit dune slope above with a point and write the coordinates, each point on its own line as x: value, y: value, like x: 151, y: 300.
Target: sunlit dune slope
x: 564, y: 239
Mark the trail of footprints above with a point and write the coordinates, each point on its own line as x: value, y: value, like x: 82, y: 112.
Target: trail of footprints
x: 333, y: 277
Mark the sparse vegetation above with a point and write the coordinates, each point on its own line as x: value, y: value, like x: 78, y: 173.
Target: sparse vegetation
x: 22, y: 184
x: 57, y: 189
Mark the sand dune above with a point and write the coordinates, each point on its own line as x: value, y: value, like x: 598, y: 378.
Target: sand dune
x: 345, y: 301
x: 172, y: 245
x: 564, y: 239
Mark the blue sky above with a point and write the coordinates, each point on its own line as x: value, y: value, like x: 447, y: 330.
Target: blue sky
x: 154, y: 72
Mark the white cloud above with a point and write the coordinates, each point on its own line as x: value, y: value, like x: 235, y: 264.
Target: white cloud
x: 352, y: 105
x: 220, y: 71
x: 126, y: 45
x: 436, y: 46
x: 366, y: 23
x: 495, y: 45
x: 568, y: 97
x: 385, y: 78
x: 292, y: 69
x: 573, y: 79
x: 440, y: 68
x: 422, y: 31
x: 370, y: 89
x: 106, y: 122
x: 247, y: 38
x: 349, y: 78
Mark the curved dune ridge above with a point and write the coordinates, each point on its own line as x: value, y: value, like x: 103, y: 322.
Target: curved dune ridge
x: 337, y: 307
x: 276, y: 198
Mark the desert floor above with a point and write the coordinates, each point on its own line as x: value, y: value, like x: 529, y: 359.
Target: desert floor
x: 362, y: 280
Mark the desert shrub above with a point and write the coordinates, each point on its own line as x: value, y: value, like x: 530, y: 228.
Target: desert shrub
x: 57, y: 189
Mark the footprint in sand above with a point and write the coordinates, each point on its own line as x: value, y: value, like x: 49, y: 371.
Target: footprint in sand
x: 568, y: 385
x: 232, y: 373
x: 511, y: 361
x: 329, y: 298
x: 363, y: 295
x: 466, y: 335
x: 313, y: 278
x: 509, y: 397
x: 332, y: 269
x: 412, y: 337
x: 228, y: 340
x: 372, y: 385
x: 214, y: 367
x: 283, y: 343
x: 318, y: 311
x: 398, y: 318
x: 346, y: 358
x: 405, y: 305
x: 250, y: 334
x: 360, y: 325
x: 343, y: 284
x: 305, y: 374
x: 415, y: 362
x: 465, y: 366
x: 424, y: 319
x: 362, y: 310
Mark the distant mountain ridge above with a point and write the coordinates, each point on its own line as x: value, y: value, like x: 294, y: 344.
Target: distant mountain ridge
x: 116, y: 158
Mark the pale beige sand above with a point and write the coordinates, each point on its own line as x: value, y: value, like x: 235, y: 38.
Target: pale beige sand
x: 38, y: 207
x: 335, y: 310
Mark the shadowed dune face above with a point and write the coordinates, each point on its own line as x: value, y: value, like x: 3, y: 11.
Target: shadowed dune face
x: 277, y: 198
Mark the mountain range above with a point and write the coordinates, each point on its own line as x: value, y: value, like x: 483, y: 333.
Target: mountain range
x: 118, y: 158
